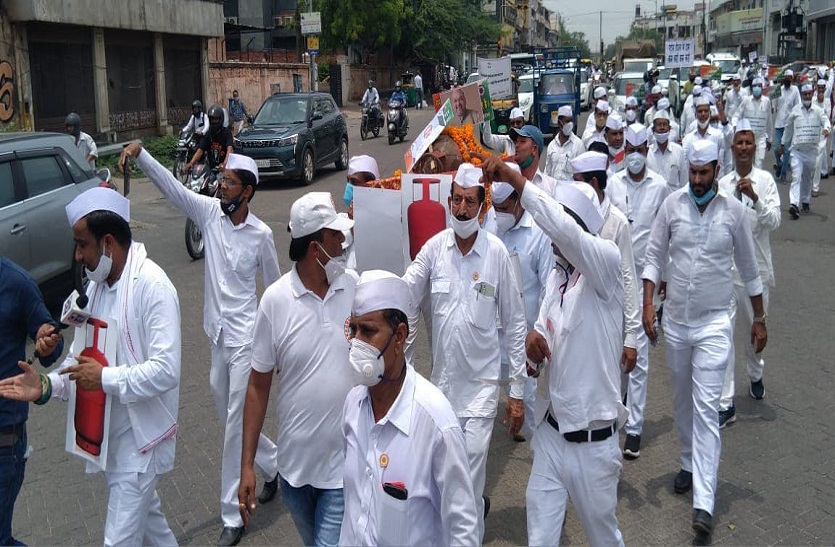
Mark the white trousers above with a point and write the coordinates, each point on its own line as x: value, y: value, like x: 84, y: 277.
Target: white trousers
x: 803, y: 163
x: 635, y: 383
x: 134, y: 512
x: 754, y: 363
x: 759, y: 156
x: 229, y: 377
x: 477, y: 434
x: 822, y: 166
x: 588, y: 473
x: 697, y: 357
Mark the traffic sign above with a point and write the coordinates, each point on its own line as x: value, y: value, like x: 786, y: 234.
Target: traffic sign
x: 312, y: 22
x: 313, y: 45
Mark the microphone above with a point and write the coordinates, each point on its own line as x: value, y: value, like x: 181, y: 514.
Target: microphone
x: 73, y: 314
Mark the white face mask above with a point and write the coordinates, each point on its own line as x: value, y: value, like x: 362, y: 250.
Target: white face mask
x: 614, y: 151
x: 567, y: 128
x: 703, y: 125
x: 367, y: 363
x: 505, y: 221
x: 464, y: 228
x: 635, y: 162
x: 102, y: 271
x: 662, y: 137
x: 631, y: 115
x: 807, y: 104
x: 334, y: 268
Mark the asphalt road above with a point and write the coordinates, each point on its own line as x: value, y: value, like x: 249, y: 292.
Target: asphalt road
x: 777, y: 476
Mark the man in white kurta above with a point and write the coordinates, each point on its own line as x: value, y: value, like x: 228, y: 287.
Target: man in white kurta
x: 666, y: 157
x: 698, y: 236
x: 577, y: 339
x: 757, y: 110
x: 638, y: 192
x: 757, y: 191
x: 594, y: 131
x: 565, y: 147
x: 468, y: 274
x: 144, y: 381
x: 238, y: 245
x: 704, y: 131
x: 806, y: 125
x: 787, y: 101
x: 407, y: 475
x: 825, y: 148
x: 300, y: 339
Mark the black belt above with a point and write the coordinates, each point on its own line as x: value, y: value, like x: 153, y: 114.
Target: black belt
x: 9, y: 434
x: 585, y: 435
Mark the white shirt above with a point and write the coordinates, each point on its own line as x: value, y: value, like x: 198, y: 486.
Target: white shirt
x: 639, y: 202
x: 370, y: 97
x: 546, y: 182
x: 198, y: 125
x: 583, y: 327
x: 804, y: 128
x: 764, y: 215
x: 670, y: 164
x: 425, y: 448
x: 558, y: 161
x: 591, y: 135
x: 471, y: 296
x: 785, y: 103
x: 826, y: 106
x: 697, y: 252
x: 233, y: 255
x: 418, y: 82
x: 732, y: 101
x: 758, y: 114
x: 616, y: 228
x: 144, y: 382
x: 723, y: 138
x: 303, y: 339
x: 502, y: 144
x: 688, y: 113
x: 87, y: 146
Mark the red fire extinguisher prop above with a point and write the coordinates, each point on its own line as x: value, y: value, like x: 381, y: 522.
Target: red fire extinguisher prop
x: 90, y: 404
x: 426, y: 217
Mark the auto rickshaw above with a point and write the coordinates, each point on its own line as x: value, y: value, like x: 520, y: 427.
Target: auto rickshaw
x: 407, y: 80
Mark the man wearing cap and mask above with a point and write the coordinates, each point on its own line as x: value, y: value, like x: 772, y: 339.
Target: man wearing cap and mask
x: 530, y: 145
x: 825, y: 149
x: 666, y: 157
x: 599, y: 95
x: 732, y: 97
x: 300, y: 336
x: 688, y: 111
x: 650, y: 113
x: 757, y: 191
x: 237, y: 245
x: 576, y: 344
x: 702, y: 130
x: 129, y: 287
x: 503, y: 144
x: 467, y: 273
x: 407, y: 475
x: 565, y: 147
x: 806, y: 125
x: 663, y: 105
x: 614, y: 140
x: 631, y: 110
x: 531, y: 251
x: 697, y: 238
x: 784, y: 104
x: 597, y: 124
x: 638, y: 192
x: 757, y: 110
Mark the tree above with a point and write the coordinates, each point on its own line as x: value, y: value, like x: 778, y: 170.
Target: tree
x: 439, y: 28
x: 577, y: 39
x: 369, y: 24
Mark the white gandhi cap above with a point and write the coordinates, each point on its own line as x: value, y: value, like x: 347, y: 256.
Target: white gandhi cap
x: 500, y: 191
x: 363, y: 164
x: 565, y: 110
x: 702, y: 152
x: 468, y: 176
x: 580, y: 198
x: 239, y: 162
x: 516, y: 112
x: 742, y: 125
x: 98, y: 199
x: 588, y: 162
x: 614, y: 122
x: 636, y: 134
x: 313, y: 212
x: 379, y: 290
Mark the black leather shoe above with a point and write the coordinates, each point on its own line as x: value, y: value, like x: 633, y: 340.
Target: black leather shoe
x: 486, y: 506
x: 702, y: 522
x: 268, y: 492
x: 683, y: 482
x: 230, y: 535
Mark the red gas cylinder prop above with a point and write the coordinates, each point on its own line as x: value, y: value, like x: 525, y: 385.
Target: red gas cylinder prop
x: 90, y: 404
x: 426, y: 217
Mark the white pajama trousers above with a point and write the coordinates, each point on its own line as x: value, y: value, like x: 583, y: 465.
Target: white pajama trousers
x: 229, y: 378
x: 759, y: 156
x: 804, y: 162
x: 477, y: 434
x: 635, y: 383
x: 824, y: 159
x: 741, y: 303
x: 698, y: 357
x: 134, y: 512
x: 587, y: 473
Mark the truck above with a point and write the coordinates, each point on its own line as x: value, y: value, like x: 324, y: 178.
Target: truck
x: 636, y: 55
x: 556, y: 79
x: 728, y: 64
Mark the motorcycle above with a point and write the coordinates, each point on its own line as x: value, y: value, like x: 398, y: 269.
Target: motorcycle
x: 186, y: 147
x: 205, y: 181
x: 398, y: 123
x: 372, y: 121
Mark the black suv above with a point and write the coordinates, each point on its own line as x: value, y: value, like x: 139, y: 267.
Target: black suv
x: 293, y: 134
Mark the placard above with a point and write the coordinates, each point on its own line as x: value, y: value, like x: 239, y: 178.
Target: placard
x: 471, y: 103
x: 411, y: 192
x: 497, y: 72
x: 752, y: 56
x: 426, y: 137
x: 679, y: 53
x: 377, y: 230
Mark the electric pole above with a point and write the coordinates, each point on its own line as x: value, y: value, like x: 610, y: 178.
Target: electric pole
x: 601, y: 37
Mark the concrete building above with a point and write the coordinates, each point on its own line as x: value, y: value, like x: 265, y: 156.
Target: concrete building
x: 259, y: 25
x: 736, y: 26
x: 821, y: 22
x: 674, y: 24
x: 786, y: 29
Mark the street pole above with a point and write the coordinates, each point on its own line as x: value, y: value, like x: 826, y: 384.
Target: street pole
x: 601, y: 37
x: 312, y: 69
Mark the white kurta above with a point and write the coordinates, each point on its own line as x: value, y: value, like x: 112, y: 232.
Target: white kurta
x: 670, y: 163
x: 558, y: 162
x: 424, y: 448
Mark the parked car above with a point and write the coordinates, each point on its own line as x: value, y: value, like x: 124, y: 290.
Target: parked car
x: 40, y: 173
x: 294, y: 134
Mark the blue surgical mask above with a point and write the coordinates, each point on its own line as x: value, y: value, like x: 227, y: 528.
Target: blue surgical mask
x: 348, y: 196
x: 525, y: 164
x: 757, y: 91
x: 705, y: 198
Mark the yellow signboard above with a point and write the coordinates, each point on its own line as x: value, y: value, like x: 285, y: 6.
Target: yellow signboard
x: 313, y: 43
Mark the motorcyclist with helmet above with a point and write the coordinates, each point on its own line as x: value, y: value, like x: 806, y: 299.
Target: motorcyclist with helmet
x: 198, y: 123
x: 216, y: 144
x: 399, y: 96
x: 82, y: 140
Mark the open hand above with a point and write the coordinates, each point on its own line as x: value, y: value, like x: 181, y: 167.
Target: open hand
x: 23, y: 387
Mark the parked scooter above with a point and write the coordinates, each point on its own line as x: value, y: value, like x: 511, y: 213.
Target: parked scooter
x: 204, y: 181
x: 398, y: 121
x: 186, y: 147
x: 372, y: 121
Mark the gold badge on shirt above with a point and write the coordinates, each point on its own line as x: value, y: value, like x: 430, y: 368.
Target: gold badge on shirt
x: 384, y: 460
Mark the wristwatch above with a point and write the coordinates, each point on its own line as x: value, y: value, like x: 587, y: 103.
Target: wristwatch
x: 763, y: 319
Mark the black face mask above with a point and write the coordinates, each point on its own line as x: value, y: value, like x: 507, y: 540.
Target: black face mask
x: 234, y: 205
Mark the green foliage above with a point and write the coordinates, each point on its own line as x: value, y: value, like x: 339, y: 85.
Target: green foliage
x: 324, y: 70
x: 611, y: 51
x: 370, y: 24
x: 578, y: 39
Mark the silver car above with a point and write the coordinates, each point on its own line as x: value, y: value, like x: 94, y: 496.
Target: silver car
x: 40, y: 173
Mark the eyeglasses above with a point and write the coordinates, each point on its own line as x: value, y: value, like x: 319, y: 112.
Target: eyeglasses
x: 470, y: 203
x: 229, y: 181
